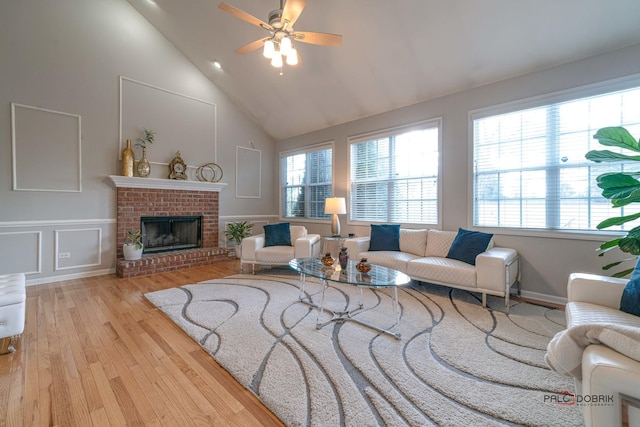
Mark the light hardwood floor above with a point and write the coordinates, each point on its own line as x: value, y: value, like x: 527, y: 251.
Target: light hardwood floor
x: 95, y: 352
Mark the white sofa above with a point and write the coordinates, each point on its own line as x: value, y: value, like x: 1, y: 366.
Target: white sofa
x: 303, y: 245
x: 423, y: 257
x: 595, y: 299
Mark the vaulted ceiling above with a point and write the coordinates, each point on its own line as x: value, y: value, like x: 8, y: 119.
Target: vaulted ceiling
x: 393, y: 54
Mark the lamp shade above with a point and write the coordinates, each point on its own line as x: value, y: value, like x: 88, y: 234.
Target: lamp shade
x: 335, y: 205
x: 292, y: 58
x: 276, y: 60
x: 269, y: 49
x: 285, y: 46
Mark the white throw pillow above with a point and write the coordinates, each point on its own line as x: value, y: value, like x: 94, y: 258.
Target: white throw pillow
x: 439, y: 242
x: 413, y: 241
x: 297, y: 231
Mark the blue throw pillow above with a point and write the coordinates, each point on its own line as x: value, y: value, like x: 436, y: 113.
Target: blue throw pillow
x: 385, y: 237
x: 468, y: 245
x: 277, y: 234
x: 630, y: 300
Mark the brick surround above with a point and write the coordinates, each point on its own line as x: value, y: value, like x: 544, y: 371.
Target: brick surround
x: 134, y: 202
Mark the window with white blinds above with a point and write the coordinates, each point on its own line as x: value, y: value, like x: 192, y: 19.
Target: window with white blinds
x: 306, y: 180
x: 530, y: 170
x: 394, y: 175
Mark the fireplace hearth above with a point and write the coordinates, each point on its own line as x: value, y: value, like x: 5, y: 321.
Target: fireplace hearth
x: 150, y: 197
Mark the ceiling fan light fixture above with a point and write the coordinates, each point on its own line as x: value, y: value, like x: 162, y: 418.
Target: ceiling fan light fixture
x: 269, y: 49
x: 276, y: 61
x: 281, y: 33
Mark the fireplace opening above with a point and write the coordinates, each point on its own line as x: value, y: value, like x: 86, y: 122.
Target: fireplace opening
x: 170, y: 233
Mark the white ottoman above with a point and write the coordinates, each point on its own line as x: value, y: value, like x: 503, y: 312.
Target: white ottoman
x: 13, y: 297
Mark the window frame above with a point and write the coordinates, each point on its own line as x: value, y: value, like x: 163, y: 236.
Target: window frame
x: 281, y: 185
x: 436, y: 122
x: 576, y: 93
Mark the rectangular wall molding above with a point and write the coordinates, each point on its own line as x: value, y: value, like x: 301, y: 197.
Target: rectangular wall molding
x: 21, y: 252
x: 180, y: 122
x: 46, y: 149
x: 77, y: 248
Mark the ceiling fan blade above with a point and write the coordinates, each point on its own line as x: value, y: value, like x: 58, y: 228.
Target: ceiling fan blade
x: 251, y: 46
x: 292, y: 10
x: 241, y: 14
x: 324, y: 39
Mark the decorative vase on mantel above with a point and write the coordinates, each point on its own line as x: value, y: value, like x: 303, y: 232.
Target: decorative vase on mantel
x: 144, y: 168
x: 128, y: 160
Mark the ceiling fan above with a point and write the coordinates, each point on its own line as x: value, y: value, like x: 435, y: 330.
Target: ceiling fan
x: 279, y: 43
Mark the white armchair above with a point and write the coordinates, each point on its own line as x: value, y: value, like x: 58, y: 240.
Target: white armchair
x: 595, y: 299
x: 303, y: 245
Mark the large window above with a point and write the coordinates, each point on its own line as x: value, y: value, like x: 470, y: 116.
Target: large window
x: 306, y: 181
x: 394, y: 175
x: 530, y: 170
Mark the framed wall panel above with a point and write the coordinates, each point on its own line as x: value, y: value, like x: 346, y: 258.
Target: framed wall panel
x: 21, y: 252
x: 180, y: 122
x: 77, y: 248
x: 248, y: 173
x: 46, y: 149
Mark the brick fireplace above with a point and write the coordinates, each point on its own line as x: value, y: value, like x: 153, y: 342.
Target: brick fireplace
x: 150, y: 197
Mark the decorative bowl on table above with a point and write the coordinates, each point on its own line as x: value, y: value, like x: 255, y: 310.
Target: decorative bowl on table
x: 363, y: 266
x: 327, y: 260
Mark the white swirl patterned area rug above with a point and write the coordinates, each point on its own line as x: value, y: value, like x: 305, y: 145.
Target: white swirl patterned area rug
x: 457, y: 364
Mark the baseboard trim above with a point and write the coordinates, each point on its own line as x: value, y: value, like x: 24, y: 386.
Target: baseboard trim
x: 53, y: 279
x: 543, y: 297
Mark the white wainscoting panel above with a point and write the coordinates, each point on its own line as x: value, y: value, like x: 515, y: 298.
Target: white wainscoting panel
x: 21, y: 252
x: 77, y: 248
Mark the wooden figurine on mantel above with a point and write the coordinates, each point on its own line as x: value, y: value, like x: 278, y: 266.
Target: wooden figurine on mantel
x: 177, y: 168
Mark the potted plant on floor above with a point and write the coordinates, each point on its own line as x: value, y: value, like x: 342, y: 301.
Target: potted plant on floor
x: 132, y: 249
x: 236, y: 231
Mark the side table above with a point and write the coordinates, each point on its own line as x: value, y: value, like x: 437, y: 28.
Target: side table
x: 325, y: 244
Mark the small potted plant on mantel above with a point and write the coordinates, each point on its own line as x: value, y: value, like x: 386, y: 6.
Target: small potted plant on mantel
x: 132, y: 249
x: 236, y: 231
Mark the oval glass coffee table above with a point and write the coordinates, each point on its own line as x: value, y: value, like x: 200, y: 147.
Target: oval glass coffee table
x: 378, y: 277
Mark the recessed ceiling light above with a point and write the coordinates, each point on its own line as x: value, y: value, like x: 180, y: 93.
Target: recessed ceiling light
x: 217, y: 64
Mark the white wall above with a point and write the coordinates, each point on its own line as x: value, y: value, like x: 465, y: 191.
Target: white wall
x: 546, y: 261
x: 67, y: 56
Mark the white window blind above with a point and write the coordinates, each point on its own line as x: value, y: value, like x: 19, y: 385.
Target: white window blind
x: 306, y: 181
x: 394, y: 176
x: 530, y: 169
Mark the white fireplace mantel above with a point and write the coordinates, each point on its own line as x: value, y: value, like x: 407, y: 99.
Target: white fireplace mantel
x: 166, y: 184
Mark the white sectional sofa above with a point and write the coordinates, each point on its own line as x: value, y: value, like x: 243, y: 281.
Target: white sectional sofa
x: 423, y: 257
x: 596, y: 350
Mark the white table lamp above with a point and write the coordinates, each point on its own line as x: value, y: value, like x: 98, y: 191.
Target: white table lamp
x: 335, y: 206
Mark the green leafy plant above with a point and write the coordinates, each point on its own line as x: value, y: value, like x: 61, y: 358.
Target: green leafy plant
x: 236, y: 231
x: 148, y: 136
x: 135, y: 238
x: 621, y: 188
